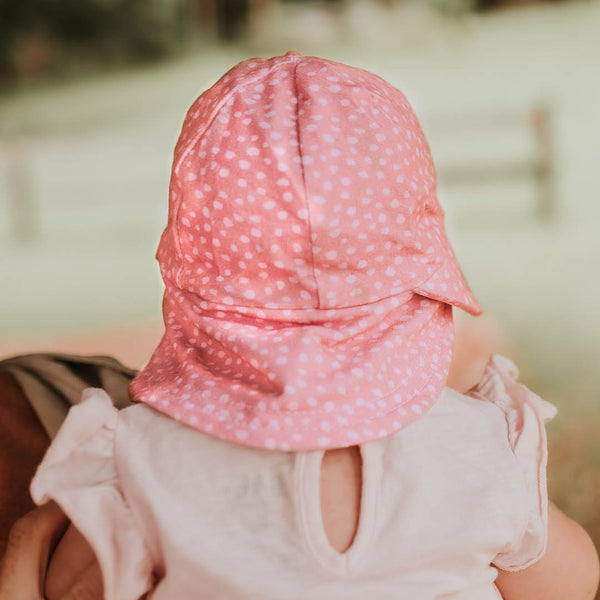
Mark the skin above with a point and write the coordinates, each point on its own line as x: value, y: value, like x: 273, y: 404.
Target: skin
x: 42, y: 553
x: 27, y: 574
x: 23, y: 443
x: 569, y: 569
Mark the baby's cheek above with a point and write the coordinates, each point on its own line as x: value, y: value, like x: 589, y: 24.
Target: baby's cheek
x: 475, y: 341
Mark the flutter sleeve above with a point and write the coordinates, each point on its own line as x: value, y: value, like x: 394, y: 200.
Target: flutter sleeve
x: 526, y: 415
x: 79, y: 472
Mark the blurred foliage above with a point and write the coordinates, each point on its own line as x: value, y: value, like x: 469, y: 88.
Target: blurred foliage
x: 43, y: 36
x: 493, y: 4
x: 461, y: 6
x: 232, y: 18
x: 35, y: 35
x: 454, y: 6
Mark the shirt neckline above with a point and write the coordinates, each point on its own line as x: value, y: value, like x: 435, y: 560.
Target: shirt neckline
x: 307, y: 473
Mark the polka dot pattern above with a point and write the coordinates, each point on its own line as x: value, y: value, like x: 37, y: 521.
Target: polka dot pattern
x: 308, y: 275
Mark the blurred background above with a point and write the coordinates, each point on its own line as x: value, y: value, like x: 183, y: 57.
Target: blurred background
x: 93, y: 92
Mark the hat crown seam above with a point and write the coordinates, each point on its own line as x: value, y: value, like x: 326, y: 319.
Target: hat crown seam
x: 305, y: 189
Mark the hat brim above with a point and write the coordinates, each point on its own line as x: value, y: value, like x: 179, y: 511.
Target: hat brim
x: 448, y: 283
x: 371, y: 375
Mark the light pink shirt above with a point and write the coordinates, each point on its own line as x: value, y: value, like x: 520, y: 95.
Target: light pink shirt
x: 188, y: 516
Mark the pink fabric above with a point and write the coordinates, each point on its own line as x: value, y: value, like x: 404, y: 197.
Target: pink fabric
x: 308, y: 275
x: 526, y: 414
x: 444, y: 501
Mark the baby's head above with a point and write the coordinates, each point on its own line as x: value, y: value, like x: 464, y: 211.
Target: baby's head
x: 309, y: 280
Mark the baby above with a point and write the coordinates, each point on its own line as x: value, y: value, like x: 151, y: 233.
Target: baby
x: 292, y: 436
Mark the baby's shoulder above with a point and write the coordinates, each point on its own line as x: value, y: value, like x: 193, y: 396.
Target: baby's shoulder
x: 464, y: 407
x: 524, y: 411
x: 166, y: 444
x: 497, y: 410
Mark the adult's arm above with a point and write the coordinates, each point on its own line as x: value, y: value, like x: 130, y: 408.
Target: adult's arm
x: 43, y: 556
x: 23, y: 442
x: 50, y: 383
x: 46, y: 558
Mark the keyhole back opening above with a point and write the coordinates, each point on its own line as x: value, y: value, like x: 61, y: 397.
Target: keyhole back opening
x: 341, y: 483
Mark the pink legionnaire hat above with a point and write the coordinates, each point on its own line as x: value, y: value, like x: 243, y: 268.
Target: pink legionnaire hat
x: 309, y: 280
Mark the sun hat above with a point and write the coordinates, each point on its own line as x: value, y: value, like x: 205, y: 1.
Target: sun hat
x: 309, y: 282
